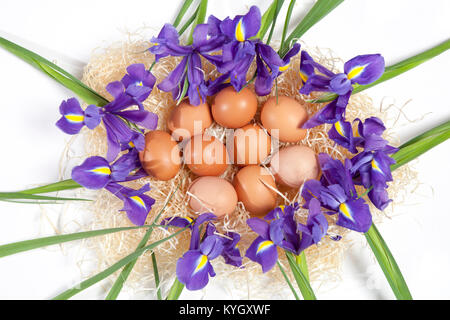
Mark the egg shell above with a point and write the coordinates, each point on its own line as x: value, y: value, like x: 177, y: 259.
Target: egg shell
x: 212, y: 194
x: 251, y: 145
x: 186, y: 120
x: 287, y: 117
x: 205, y: 155
x: 294, y: 165
x: 161, y: 156
x: 251, y: 184
x: 232, y: 109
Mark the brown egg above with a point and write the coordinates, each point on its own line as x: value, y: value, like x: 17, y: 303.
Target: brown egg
x: 294, y: 165
x: 212, y: 194
x: 251, y: 145
x: 205, y: 155
x: 187, y: 120
x: 161, y: 156
x: 287, y: 117
x: 251, y: 184
x: 233, y: 109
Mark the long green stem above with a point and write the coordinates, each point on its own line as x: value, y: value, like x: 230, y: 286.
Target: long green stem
x: 266, y: 20
x: 55, y: 72
x: 156, y: 274
x: 200, y: 18
x: 188, y: 22
x: 175, y: 290
x: 288, y: 281
x: 388, y: 264
x: 320, y: 9
x: 300, y: 278
x: 107, y: 272
x: 394, y: 70
x: 286, y: 22
x: 274, y: 20
x: 123, y: 276
x: 182, y: 12
x: 21, y: 246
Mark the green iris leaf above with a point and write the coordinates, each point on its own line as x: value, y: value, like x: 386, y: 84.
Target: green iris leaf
x: 53, y: 71
x: 320, y: 9
x: 300, y: 277
x: 175, y: 290
x: 183, y: 9
x: 199, y: 18
x: 288, y: 281
x: 393, y: 70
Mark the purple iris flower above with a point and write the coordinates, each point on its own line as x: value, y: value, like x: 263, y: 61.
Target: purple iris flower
x: 263, y: 249
x: 230, y: 252
x: 96, y: 172
x: 194, y: 268
x: 180, y: 222
x: 136, y: 204
x: 360, y: 70
x: 341, y: 132
x: 336, y: 192
x: 316, y: 226
x: 188, y: 76
x: 138, y: 82
x: 74, y: 118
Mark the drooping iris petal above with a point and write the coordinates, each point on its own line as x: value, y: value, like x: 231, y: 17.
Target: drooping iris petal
x: 92, y: 116
x: 124, y: 166
x: 340, y: 84
x: 364, y: 69
x: 93, y: 173
x: 355, y: 215
x: 379, y: 197
x: 181, y: 222
x: 231, y: 253
x: 264, y: 252
x: 259, y: 226
x: 195, y: 235
x: 316, y: 226
x: 72, y: 119
x: 306, y: 69
x: 138, y: 82
x: 117, y: 133
x: 289, y: 55
x: 146, y: 119
x: 341, y: 133
x: 193, y: 270
x: 166, y: 36
x: 251, y: 22
x: 137, y: 205
x: 174, y: 77
x: 211, y: 246
x: 331, y: 113
x: 264, y: 79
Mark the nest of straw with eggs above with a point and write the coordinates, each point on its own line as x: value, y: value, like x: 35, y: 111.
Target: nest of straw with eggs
x: 324, y: 260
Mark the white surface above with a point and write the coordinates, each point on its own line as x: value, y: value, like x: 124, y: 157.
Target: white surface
x: 68, y: 31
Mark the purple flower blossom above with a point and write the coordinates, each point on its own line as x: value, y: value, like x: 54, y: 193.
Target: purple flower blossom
x: 96, y: 172
x: 138, y: 82
x: 188, y: 76
x: 136, y: 204
x: 362, y: 70
x: 194, y: 268
x: 263, y: 249
x: 316, y: 226
x: 74, y: 118
x: 336, y: 192
x: 230, y: 252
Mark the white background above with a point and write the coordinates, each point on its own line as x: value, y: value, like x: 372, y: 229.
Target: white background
x: 68, y: 31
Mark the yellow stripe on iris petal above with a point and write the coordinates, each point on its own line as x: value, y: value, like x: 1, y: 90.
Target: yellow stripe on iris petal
x: 102, y: 170
x: 264, y: 245
x: 239, y: 33
x: 339, y: 128
x: 138, y: 201
x: 356, y: 71
x: 345, y: 210
x: 375, y: 166
x: 303, y: 76
x: 74, y: 117
x: 285, y: 67
x: 203, y: 260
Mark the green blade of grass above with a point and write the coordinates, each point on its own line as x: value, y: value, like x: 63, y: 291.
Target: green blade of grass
x: 156, y: 274
x: 110, y: 270
x: 393, y: 70
x: 23, y: 196
x: 118, y: 284
x: 288, y: 281
x: 175, y: 290
x: 21, y: 246
x: 388, y: 264
x: 57, y: 186
x: 421, y: 144
x: 302, y: 282
x: 199, y: 18
x: 320, y: 9
x: 60, y: 75
x: 182, y: 12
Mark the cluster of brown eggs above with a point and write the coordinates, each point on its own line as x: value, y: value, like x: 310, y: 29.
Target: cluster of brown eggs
x: 247, y: 147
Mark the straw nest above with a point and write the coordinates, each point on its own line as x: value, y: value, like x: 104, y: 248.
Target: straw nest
x: 324, y: 260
